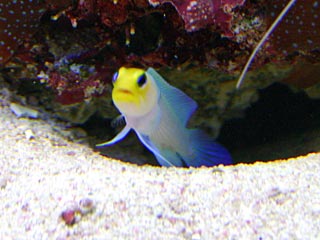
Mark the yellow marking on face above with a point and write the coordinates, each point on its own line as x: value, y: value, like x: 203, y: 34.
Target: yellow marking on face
x: 126, y: 88
x: 129, y: 95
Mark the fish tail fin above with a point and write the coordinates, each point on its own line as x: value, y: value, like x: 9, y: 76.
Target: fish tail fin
x: 206, y: 152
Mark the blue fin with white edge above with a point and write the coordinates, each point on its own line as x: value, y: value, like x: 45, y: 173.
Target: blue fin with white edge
x: 160, y: 158
x: 165, y: 158
x: 182, y: 105
x: 117, y: 138
x: 206, y: 152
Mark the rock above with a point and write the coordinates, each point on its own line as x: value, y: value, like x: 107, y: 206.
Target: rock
x: 22, y: 111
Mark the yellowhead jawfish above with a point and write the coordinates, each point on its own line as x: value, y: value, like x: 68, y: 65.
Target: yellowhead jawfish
x: 158, y: 113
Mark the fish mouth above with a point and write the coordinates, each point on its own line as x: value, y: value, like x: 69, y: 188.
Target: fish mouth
x: 125, y: 91
x: 123, y: 95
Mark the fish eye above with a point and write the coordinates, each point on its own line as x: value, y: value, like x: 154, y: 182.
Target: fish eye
x: 114, y: 77
x: 142, y: 80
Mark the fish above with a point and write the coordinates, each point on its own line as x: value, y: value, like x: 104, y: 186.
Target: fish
x: 159, y: 113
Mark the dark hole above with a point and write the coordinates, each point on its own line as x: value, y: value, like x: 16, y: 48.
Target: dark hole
x: 281, y: 124
x: 146, y: 35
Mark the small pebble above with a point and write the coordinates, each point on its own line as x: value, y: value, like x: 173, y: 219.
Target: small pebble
x: 3, y: 183
x: 22, y: 111
x: 70, y: 216
x: 29, y: 134
x: 86, y: 205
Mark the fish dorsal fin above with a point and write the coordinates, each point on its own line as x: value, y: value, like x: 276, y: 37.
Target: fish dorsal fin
x: 178, y: 101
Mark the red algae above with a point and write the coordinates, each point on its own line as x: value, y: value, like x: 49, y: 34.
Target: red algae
x: 200, y: 14
x: 98, y: 37
x: 299, y: 30
x: 18, y: 21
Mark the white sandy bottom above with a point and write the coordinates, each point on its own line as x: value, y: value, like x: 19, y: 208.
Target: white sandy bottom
x: 42, y: 177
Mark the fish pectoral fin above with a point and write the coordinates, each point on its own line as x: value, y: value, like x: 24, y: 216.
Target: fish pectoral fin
x: 170, y: 159
x: 163, y: 161
x: 117, y: 138
x: 165, y: 157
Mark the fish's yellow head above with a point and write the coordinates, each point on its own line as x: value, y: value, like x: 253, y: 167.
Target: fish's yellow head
x: 134, y: 91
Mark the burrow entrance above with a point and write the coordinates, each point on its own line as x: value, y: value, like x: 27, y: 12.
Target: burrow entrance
x: 281, y: 124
